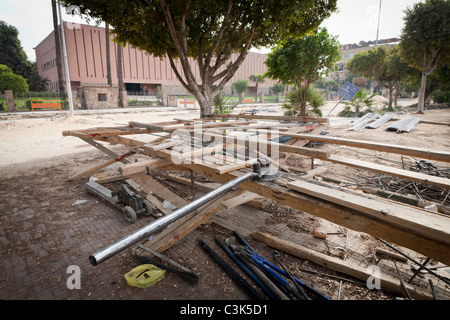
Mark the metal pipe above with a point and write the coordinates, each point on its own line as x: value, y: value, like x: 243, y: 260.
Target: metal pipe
x: 161, y: 223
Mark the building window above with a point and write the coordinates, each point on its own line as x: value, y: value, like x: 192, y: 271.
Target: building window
x: 102, y: 97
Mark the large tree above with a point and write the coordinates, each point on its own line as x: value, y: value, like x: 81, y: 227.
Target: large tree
x: 210, y: 32
x: 303, y: 61
x: 385, y: 66
x: 425, y: 39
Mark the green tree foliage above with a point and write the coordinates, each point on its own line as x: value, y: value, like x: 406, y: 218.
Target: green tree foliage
x: 278, y: 88
x: 240, y: 87
x: 294, y: 106
x: 302, y: 61
x: 425, y: 39
x: 11, y: 81
x: 385, y: 66
x: 207, y: 31
x: 13, y: 56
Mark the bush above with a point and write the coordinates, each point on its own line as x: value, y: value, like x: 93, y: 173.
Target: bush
x: 314, y: 101
x: 14, y: 82
x: 361, y: 101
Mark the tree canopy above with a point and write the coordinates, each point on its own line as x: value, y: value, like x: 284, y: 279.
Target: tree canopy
x: 11, y: 81
x: 385, y: 66
x: 207, y: 31
x: 13, y: 56
x: 302, y: 61
x: 425, y: 39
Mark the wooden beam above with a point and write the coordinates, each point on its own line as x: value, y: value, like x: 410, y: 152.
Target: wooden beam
x: 151, y: 185
x: 436, y: 155
x: 423, y: 222
x: 138, y: 167
x: 400, y: 173
x: 263, y: 145
x: 101, y: 166
x: 274, y: 118
x: 182, y: 227
x: 101, y: 147
x: 338, y: 265
x: 241, y: 199
x: 347, y: 217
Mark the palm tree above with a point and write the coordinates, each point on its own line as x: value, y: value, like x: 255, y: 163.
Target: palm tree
x: 314, y: 101
x: 257, y: 79
x: 120, y: 75
x: 108, y: 56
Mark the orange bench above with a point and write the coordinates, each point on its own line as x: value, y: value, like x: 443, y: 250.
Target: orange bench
x: 46, y: 104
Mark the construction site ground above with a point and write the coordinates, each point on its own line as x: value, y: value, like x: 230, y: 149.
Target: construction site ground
x: 49, y: 223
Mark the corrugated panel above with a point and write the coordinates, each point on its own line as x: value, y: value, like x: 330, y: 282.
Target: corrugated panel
x: 404, y: 125
x: 369, y: 117
x: 387, y: 117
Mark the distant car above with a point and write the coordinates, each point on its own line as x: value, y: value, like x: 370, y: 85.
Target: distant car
x: 252, y: 111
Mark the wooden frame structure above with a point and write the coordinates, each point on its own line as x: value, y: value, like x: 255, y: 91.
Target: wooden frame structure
x: 412, y: 227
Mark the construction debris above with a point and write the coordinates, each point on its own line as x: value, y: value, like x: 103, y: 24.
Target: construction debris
x: 239, y: 161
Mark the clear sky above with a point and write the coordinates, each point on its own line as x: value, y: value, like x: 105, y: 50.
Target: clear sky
x: 356, y: 20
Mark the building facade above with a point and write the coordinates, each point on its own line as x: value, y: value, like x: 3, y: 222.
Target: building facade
x: 142, y: 72
x: 348, y: 51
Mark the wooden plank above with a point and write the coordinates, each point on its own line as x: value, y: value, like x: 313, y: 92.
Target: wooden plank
x: 400, y: 173
x: 235, y: 166
x: 208, y: 187
x: 104, y: 149
x: 312, y: 173
x: 241, y: 199
x: 166, y: 145
x: 151, y: 185
x: 436, y: 155
x: 184, y: 226
x: 100, y: 166
x: 264, y: 145
x: 274, y: 118
x: 200, y: 125
x: 336, y: 264
x: 153, y: 200
x: 138, y: 167
x: 421, y: 221
x: 178, y: 157
x: 430, y: 246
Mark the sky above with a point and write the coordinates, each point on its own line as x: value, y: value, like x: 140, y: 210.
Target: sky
x: 355, y: 21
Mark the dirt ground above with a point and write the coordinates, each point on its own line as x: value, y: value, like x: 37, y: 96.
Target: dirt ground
x: 44, y: 227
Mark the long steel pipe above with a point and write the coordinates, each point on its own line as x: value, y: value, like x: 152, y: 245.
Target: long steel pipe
x: 161, y: 223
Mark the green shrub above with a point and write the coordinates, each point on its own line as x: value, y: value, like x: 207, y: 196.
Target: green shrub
x: 14, y: 82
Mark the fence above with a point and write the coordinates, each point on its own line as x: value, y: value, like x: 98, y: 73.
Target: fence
x: 22, y: 100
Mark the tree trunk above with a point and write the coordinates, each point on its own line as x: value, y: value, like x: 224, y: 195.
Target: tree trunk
x: 423, y: 88
x: 120, y: 76
x: 59, y: 65
x: 391, y: 95
x: 108, y: 56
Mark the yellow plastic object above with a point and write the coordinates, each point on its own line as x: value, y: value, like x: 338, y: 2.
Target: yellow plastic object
x: 144, y: 276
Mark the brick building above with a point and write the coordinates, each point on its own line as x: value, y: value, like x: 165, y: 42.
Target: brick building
x: 143, y: 73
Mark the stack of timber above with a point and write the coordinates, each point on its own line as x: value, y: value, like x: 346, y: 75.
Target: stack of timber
x: 422, y: 231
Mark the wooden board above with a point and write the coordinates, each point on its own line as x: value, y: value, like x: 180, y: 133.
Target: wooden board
x: 423, y: 222
x: 437, y: 155
x: 390, y: 171
x: 151, y: 185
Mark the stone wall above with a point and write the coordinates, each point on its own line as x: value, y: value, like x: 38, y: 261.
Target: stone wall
x: 99, y: 97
